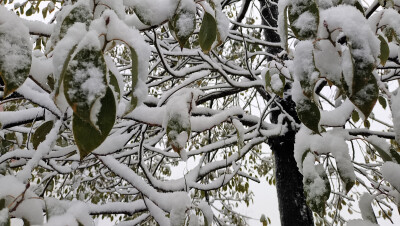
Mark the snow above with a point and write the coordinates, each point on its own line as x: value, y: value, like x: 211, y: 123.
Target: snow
x: 15, y: 45
x: 30, y: 208
x: 395, y: 104
x: 154, y: 12
x: 305, y: 23
x: 367, y: 212
x: 360, y: 223
x: 390, y: 172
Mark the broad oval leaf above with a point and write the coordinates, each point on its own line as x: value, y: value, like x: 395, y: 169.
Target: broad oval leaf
x: 208, y: 32
x: 184, y: 24
x: 87, y: 136
x: 41, y: 132
x: 309, y: 114
x: 85, y: 81
x: 15, y: 57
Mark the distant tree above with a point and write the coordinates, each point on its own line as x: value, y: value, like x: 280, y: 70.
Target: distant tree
x: 106, y: 97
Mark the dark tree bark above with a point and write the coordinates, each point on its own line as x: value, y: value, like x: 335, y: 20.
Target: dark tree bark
x: 289, y: 182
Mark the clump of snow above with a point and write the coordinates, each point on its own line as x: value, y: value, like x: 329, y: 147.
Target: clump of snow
x: 360, y: 223
x: 153, y: 12
x: 395, y: 104
x: 367, y: 212
x: 30, y: 208
x: 306, y: 23
x: 349, y: 20
x: 15, y: 45
x: 390, y: 172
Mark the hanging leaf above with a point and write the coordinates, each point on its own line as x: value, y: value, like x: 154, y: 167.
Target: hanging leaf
x: 355, y: 117
x: 382, y: 102
x: 87, y: 136
x: 183, y: 23
x: 15, y: 57
x: 309, y: 114
x: 208, y: 32
x: 347, y: 180
x: 41, y: 132
x: 384, y: 56
x: 135, y: 79
x: 85, y: 81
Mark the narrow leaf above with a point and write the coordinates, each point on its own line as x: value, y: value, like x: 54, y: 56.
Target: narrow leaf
x: 384, y: 56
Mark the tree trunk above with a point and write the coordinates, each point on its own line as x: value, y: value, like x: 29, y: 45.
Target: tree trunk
x: 289, y: 182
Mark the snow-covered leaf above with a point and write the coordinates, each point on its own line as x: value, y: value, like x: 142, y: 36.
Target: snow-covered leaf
x: 16, y: 52
x: 183, y: 22
x: 85, y: 82
x: 304, y: 18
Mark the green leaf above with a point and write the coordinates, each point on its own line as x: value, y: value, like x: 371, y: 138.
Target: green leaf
x: 359, y: 7
x: 382, y: 102
x: 309, y: 114
x: 29, y: 11
x: 286, y: 28
x: 87, y: 136
x: 395, y: 155
x: 2, y: 204
x: 4, y: 222
x: 135, y: 79
x: 355, y: 117
x: 86, y: 68
x: 384, y: 56
x: 383, y: 154
x: 208, y: 32
x: 348, y: 182
x: 115, y: 85
x: 41, y: 132
x: 183, y: 24
x: 15, y: 48
x: 309, y: 7
x: 365, y: 89
x: 26, y: 222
